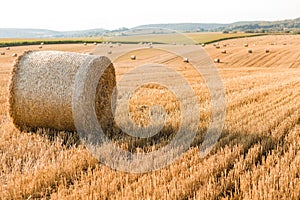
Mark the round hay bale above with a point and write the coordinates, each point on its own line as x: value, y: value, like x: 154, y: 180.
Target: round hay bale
x: 203, y: 45
x: 267, y: 51
x: 14, y: 55
x: 186, y: 60
x: 85, y: 43
x: 42, y: 89
x: 110, y: 52
x: 40, y: 46
x: 246, y: 45
x: 217, y: 60
x: 95, y: 43
x: 42, y: 43
x: 2, y: 53
x: 250, y: 51
x: 133, y: 57
x: 218, y: 47
x: 224, y: 51
x: 7, y: 48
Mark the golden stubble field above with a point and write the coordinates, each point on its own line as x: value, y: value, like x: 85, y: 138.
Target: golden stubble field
x: 256, y: 157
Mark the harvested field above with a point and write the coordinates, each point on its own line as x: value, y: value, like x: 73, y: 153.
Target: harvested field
x: 256, y: 157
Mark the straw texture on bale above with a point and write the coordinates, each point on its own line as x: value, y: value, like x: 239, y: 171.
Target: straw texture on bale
x: 42, y: 89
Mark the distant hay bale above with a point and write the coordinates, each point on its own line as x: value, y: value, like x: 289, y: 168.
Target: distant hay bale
x: 2, y: 53
x: 186, y: 60
x: 133, y: 57
x: 246, y: 45
x: 203, y: 45
x: 224, y: 45
x: 40, y: 46
x: 7, y: 48
x: 217, y: 60
x: 42, y: 89
x: 250, y: 51
x: 224, y: 51
x: 267, y: 51
x: 42, y: 43
x: 14, y: 55
x: 95, y: 43
x: 85, y: 43
x: 109, y: 52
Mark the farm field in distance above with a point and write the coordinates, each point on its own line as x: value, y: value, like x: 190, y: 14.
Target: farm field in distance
x: 160, y: 38
x: 256, y: 157
x: 181, y: 38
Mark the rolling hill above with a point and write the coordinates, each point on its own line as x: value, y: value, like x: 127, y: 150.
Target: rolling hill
x: 44, y: 33
x: 286, y: 26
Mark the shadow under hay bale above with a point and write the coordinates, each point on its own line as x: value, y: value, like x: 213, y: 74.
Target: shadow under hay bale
x: 42, y: 89
x: 67, y: 139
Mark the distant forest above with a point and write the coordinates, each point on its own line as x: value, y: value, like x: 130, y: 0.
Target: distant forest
x: 286, y: 26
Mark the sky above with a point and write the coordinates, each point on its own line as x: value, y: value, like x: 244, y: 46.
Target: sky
x: 66, y: 15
